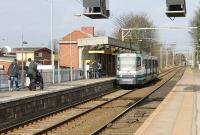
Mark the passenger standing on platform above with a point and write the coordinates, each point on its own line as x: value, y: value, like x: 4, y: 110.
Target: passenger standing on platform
x: 26, y: 68
x: 99, y: 69
x: 87, y: 68
x: 91, y: 70
x: 13, y: 73
x: 32, y: 70
x: 95, y: 69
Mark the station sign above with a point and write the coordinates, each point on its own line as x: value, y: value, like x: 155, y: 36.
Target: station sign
x: 96, y: 51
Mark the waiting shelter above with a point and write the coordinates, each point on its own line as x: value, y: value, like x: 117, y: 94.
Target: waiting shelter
x: 104, y: 50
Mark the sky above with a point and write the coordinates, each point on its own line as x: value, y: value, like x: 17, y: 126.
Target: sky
x: 33, y: 17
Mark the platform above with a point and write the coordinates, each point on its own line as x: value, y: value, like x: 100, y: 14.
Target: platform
x: 178, y: 114
x: 23, y: 105
x: 7, y: 96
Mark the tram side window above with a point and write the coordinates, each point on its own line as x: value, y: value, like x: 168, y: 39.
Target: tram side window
x: 138, y: 63
x: 149, y: 61
x: 143, y: 63
x: 156, y: 62
x: 118, y: 63
x: 146, y: 64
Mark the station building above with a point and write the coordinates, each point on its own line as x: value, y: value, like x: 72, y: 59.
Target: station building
x: 41, y: 54
x: 86, y: 48
x: 68, y: 44
x: 5, y: 63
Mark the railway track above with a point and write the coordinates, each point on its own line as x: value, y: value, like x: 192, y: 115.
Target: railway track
x: 166, y: 72
x: 129, y: 120
x: 51, y: 123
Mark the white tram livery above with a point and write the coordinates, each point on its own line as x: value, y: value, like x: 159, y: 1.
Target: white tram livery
x: 134, y: 68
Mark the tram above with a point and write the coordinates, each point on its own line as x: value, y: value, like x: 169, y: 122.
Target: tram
x: 136, y: 68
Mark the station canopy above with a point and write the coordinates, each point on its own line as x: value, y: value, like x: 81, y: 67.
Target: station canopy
x: 100, y: 44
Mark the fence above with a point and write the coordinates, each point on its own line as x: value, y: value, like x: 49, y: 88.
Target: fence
x: 47, y: 75
x: 64, y: 75
x: 3, y: 80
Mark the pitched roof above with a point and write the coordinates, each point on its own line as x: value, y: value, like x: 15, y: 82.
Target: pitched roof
x: 73, y: 36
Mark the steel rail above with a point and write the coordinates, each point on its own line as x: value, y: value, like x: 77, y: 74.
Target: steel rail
x: 128, y: 109
x: 4, y: 130
x: 166, y: 72
x: 74, y: 117
x: 44, y: 131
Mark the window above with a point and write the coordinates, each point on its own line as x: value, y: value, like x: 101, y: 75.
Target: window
x: 152, y: 63
x: 127, y: 63
x: 149, y: 63
x: 146, y: 64
x: 1, y: 67
x: 156, y: 62
x: 40, y: 54
x: 138, y: 62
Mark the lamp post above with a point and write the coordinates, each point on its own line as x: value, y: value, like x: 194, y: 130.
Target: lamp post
x: 70, y: 52
x: 166, y: 58
x: 161, y: 57
x: 22, y: 52
x: 173, y: 56
x: 58, y: 58
x: 52, y: 47
x: 70, y: 56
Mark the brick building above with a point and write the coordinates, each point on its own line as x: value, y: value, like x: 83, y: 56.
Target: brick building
x: 41, y: 54
x: 5, y: 63
x: 84, y: 32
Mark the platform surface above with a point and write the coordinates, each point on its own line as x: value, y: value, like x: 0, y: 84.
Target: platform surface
x: 179, y: 113
x: 7, y: 96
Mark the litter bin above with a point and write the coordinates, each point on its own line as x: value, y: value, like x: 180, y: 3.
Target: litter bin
x: 199, y: 66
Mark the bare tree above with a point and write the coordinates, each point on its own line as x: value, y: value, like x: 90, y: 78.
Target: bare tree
x: 136, y: 37
x: 196, y: 22
x: 55, y: 45
x: 196, y: 33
